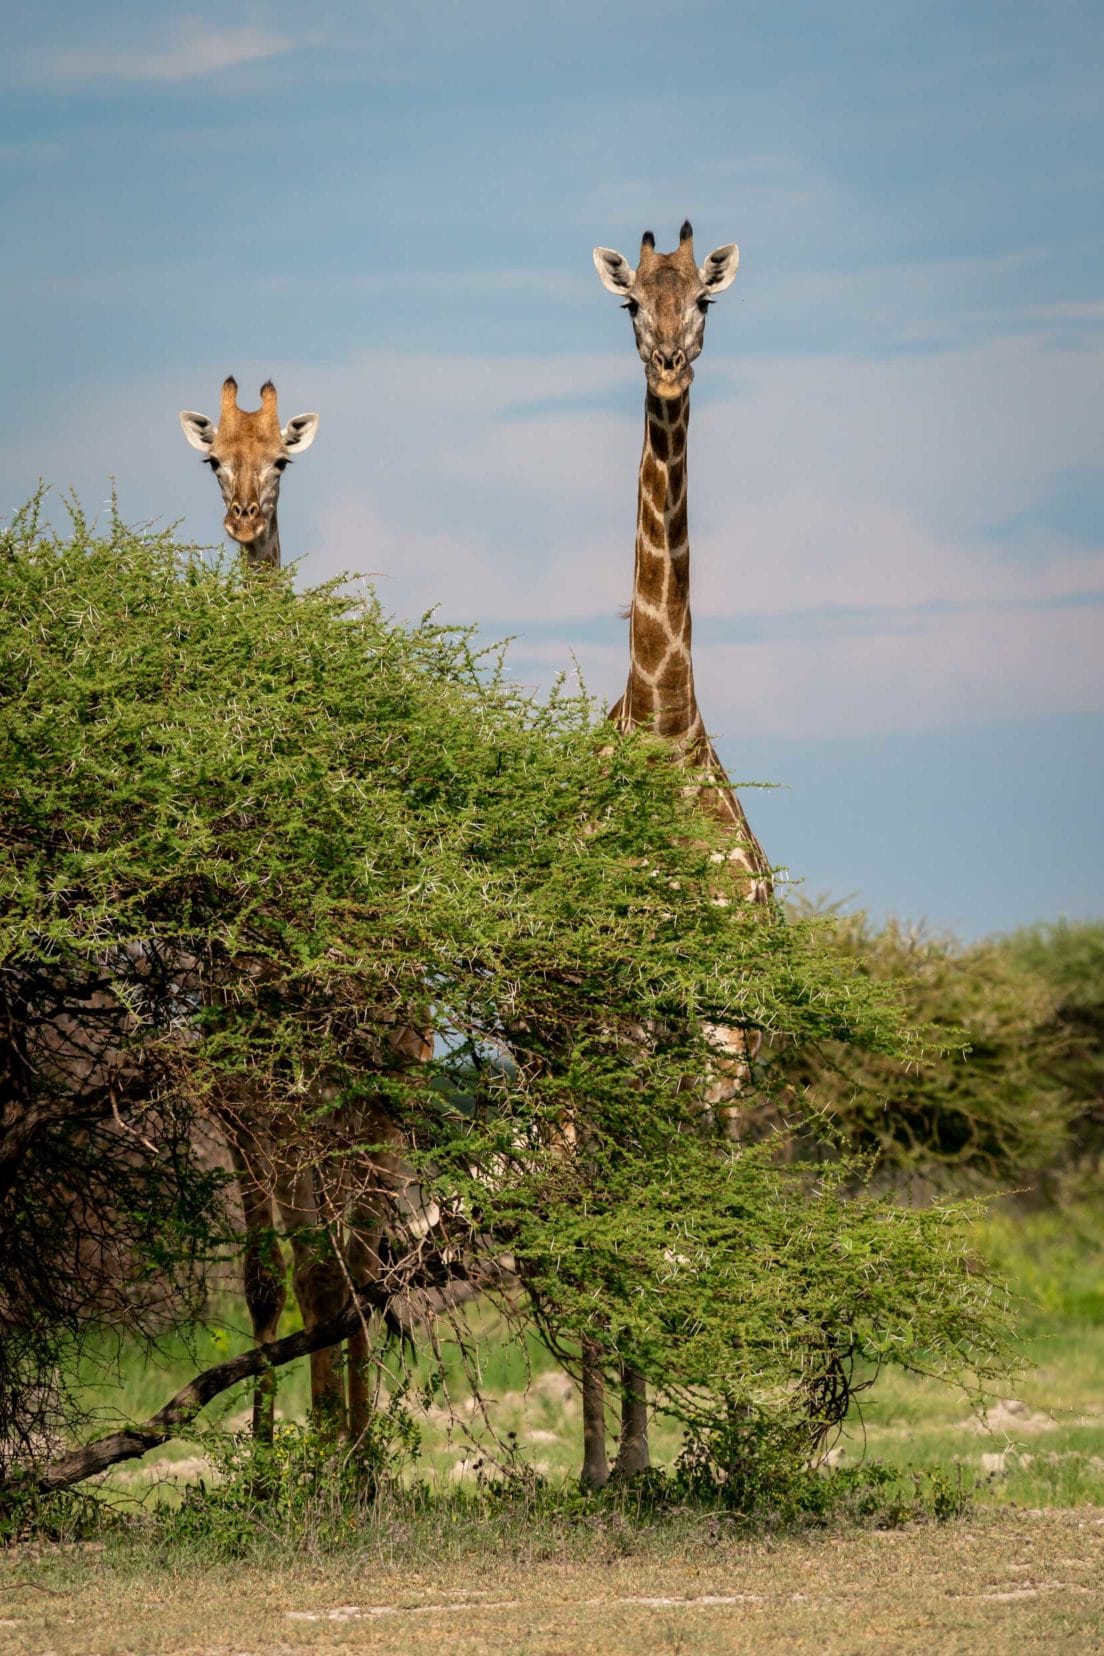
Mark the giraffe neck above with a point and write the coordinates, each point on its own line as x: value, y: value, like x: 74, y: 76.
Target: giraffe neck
x: 660, y: 691
x: 264, y: 552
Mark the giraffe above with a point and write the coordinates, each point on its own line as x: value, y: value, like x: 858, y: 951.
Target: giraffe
x: 248, y: 452
x: 667, y: 297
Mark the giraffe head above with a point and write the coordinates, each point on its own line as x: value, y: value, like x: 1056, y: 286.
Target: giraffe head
x: 667, y: 296
x: 247, y: 453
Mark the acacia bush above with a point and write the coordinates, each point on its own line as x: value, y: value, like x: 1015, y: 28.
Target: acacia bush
x: 258, y: 829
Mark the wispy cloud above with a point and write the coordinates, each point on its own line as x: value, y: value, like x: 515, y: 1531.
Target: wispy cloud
x: 191, y: 48
x: 553, y: 283
x: 944, y: 670
x: 847, y: 577
x: 1067, y: 310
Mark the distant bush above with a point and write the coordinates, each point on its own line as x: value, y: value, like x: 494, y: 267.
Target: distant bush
x: 993, y: 1099
x: 1069, y: 959
x: 305, y: 1489
x: 756, y: 1469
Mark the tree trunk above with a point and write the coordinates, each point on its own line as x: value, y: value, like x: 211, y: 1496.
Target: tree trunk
x: 595, y: 1473
x: 632, y: 1454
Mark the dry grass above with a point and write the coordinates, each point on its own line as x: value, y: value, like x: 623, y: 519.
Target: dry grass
x: 1012, y: 1577
x: 1006, y: 1581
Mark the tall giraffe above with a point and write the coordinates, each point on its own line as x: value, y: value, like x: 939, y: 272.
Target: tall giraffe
x: 248, y: 451
x: 667, y: 297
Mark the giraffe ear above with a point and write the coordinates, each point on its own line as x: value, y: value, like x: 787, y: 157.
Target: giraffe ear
x: 299, y: 433
x: 719, y: 270
x: 616, y: 272
x: 198, y: 430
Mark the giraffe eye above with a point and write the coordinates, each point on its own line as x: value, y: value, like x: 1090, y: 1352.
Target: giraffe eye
x: 704, y: 304
x: 212, y: 462
x: 631, y: 306
x: 281, y: 464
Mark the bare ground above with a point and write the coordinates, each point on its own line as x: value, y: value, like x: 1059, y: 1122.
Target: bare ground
x: 1002, y: 1581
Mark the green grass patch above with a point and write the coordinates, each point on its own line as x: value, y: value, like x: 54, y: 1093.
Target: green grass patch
x: 1041, y: 1445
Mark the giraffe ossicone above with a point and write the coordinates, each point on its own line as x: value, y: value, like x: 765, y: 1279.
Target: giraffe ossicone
x: 248, y: 452
x: 667, y: 297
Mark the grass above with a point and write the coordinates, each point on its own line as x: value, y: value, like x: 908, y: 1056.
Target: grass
x: 1001, y: 1581
x: 479, y: 1573
x: 1042, y: 1444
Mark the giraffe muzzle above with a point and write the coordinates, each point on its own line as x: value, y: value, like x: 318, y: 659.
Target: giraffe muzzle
x: 243, y: 523
x: 668, y: 372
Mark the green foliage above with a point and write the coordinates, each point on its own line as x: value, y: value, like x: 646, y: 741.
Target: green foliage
x: 303, y: 1489
x: 343, y: 812
x: 66, y: 1516
x: 268, y: 828
x: 1070, y: 961
x: 984, y: 1101
x: 756, y: 1468
x: 729, y: 1273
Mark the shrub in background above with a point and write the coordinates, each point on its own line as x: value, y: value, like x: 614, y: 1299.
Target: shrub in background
x: 987, y: 1102
x: 1069, y: 958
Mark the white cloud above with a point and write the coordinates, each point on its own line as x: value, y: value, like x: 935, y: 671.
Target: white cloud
x: 1067, y: 310
x: 823, y: 485
x: 942, y: 670
x: 937, y: 670
x: 193, y: 47
x: 841, y: 516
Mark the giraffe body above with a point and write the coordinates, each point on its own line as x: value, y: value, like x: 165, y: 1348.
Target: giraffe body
x: 668, y: 296
x: 333, y: 1218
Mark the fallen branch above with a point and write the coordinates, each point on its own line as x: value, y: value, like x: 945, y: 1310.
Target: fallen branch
x: 181, y: 1411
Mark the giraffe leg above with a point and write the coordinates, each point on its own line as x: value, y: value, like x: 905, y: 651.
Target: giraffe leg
x: 595, y: 1473
x: 372, y: 1181
x: 263, y: 1271
x: 320, y: 1288
x: 327, y: 1380
x: 632, y: 1455
x: 377, y: 1179
x: 360, y: 1391
x: 364, y: 1266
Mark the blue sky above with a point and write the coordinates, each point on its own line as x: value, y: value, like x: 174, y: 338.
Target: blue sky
x: 896, y: 473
